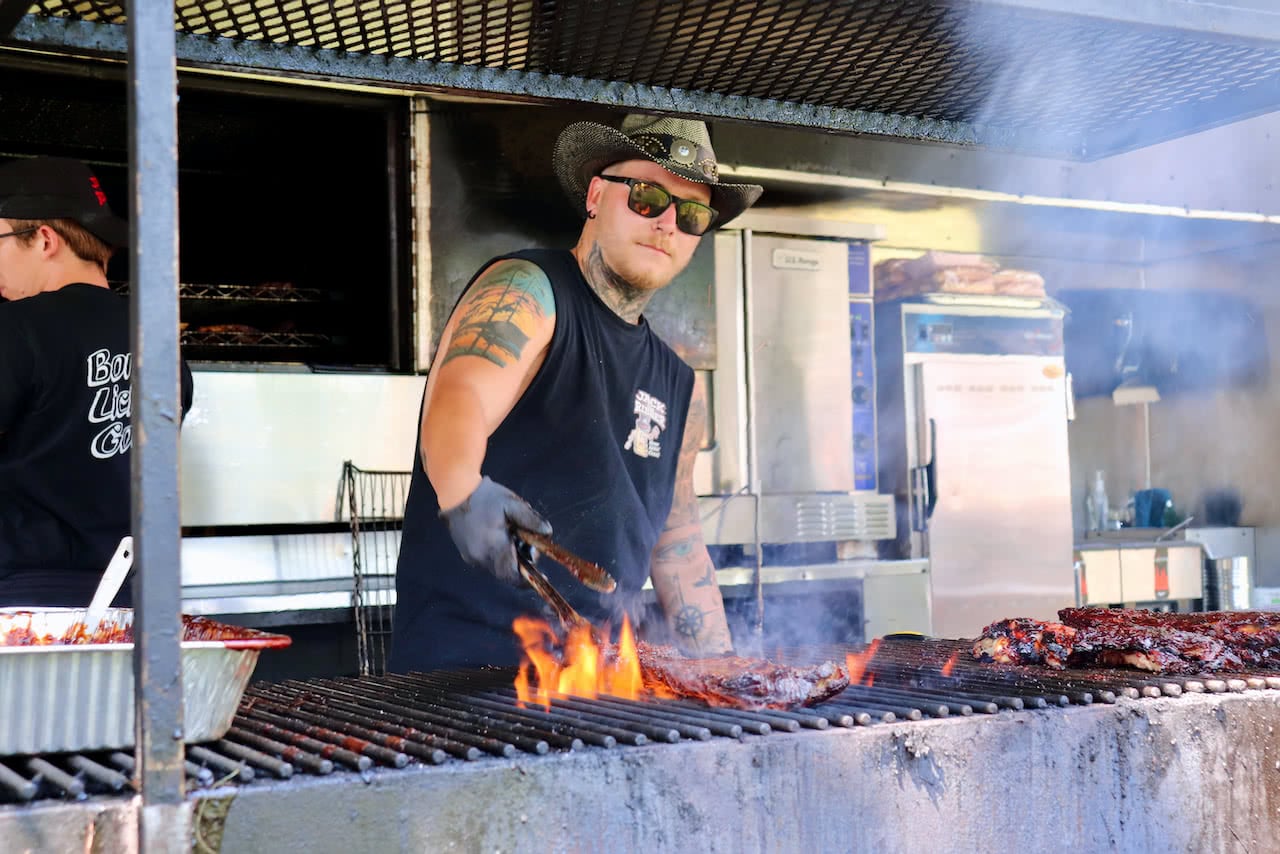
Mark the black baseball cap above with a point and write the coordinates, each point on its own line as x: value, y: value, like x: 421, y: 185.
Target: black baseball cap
x: 59, y: 188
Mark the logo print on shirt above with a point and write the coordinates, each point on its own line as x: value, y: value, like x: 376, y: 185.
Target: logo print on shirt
x: 651, y: 419
x: 112, y: 402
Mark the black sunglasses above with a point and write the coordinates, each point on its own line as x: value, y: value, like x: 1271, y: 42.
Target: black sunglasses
x: 650, y: 200
x: 14, y: 233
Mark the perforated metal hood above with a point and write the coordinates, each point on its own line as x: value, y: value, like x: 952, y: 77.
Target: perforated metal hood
x: 1081, y: 79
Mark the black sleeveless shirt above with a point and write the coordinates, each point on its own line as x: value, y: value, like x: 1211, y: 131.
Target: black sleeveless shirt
x: 592, y: 445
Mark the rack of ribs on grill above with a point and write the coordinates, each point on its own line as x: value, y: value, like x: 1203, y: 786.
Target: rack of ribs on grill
x: 745, y: 683
x: 1253, y: 636
x: 1024, y: 641
x: 1145, y: 640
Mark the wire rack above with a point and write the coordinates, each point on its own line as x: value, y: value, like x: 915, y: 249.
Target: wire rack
x: 373, y: 501
x: 198, y: 337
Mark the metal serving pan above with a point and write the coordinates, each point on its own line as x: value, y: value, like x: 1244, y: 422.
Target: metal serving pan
x: 60, y: 691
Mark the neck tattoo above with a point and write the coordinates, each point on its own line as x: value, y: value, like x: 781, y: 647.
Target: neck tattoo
x: 626, y: 300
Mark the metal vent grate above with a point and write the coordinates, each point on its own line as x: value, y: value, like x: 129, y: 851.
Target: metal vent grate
x: 954, y: 70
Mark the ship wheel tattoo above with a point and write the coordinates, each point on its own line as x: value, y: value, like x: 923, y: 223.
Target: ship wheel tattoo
x: 688, y: 621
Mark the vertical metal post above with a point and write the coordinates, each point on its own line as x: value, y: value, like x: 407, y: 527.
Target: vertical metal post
x: 157, y: 413
x: 753, y: 455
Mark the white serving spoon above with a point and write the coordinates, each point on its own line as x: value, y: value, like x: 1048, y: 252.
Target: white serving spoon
x: 112, y: 579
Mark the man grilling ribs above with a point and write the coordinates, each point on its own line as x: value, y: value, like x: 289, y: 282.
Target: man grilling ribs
x: 550, y: 399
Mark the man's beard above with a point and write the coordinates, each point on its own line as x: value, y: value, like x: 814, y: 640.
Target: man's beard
x: 625, y: 294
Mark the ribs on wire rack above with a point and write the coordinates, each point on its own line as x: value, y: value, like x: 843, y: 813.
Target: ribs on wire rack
x: 374, y: 505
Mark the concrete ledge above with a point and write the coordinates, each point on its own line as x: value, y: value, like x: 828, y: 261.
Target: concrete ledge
x: 1197, y: 773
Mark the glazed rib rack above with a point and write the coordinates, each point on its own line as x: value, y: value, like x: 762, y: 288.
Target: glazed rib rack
x: 360, y: 725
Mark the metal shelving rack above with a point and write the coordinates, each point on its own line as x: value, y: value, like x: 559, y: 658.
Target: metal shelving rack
x: 932, y: 70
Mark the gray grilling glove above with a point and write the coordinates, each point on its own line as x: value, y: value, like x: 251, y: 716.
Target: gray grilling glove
x: 481, y: 528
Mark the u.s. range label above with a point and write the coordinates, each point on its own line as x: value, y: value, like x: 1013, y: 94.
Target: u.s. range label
x: 796, y: 259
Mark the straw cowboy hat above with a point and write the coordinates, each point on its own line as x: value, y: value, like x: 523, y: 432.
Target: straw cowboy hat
x: 681, y: 146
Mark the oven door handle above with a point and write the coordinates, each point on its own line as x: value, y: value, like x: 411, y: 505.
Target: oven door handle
x: 924, y: 483
x: 931, y: 472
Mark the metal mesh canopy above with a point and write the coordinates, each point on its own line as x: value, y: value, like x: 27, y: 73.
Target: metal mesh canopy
x: 1019, y: 74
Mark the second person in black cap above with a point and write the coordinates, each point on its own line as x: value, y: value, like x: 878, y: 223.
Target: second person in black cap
x: 65, y: 390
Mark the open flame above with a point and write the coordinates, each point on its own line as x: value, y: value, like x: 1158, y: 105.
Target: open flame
x: 577, y: 667
x: 858, y: 662
x: 951, y: 663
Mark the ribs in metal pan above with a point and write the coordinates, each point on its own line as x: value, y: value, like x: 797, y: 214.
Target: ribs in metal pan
x: 744, y: 683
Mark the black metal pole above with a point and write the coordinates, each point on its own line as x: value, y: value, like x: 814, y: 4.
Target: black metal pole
x: 157, y: 412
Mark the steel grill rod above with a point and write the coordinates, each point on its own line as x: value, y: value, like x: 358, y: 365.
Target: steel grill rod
x: 601, y: 727
x: 242, y: 771
x: 691, y: 721
x: 384, y: 748
x: 653, y: 728
x: 113, y: 780
x: 424, y: 746
x: 283, y: 770
x: 1053, y: 692
x: 885, y: 694
x: 312, y: 752
x: 689, y: 713
x: 865, y: 706
x: 952, y: 704
x: 366, y: 750
x: 17, y: 785
x: 748, y: 721
x: 856, y: 696
x: 42, y: 768
x: 942, y: 685
x: 559, y: 732
x: 808, y: 718
x: 446, y: 727
x: 469, y: 747
x: 287, y: 752
x: 615, y: 709
x: 202, y: 776
x: 1005, y: 692
x: 956, y: 702
x: 901, y: 659
x: 500, y: 692
x: 507, y: 727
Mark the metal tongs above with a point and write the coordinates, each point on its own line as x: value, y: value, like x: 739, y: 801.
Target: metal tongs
x: 590, y: 574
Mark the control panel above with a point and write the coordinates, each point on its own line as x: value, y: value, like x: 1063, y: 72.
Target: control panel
x: 984, y: 335
x: 862, y: 352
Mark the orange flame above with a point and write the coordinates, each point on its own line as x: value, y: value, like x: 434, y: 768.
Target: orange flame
x: 857, y: 663
x: 951, y: 662
x: 579, y: 669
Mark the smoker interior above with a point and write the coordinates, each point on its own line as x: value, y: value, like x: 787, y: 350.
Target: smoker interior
x: 289, y: 250
x: 296, y: 729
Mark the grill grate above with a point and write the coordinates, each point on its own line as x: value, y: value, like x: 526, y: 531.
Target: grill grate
x: 939, y: 69
x: 322, y: 726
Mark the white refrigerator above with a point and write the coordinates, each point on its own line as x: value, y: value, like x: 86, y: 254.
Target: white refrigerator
x: 973, y: 403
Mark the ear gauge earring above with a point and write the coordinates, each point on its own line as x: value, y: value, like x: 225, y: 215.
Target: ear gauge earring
x: 591, y: 214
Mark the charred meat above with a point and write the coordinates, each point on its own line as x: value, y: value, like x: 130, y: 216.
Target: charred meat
x: 1252, y: 636
x: 1026, y: 641
x: 744, y: 683
x: 1144, y: 640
